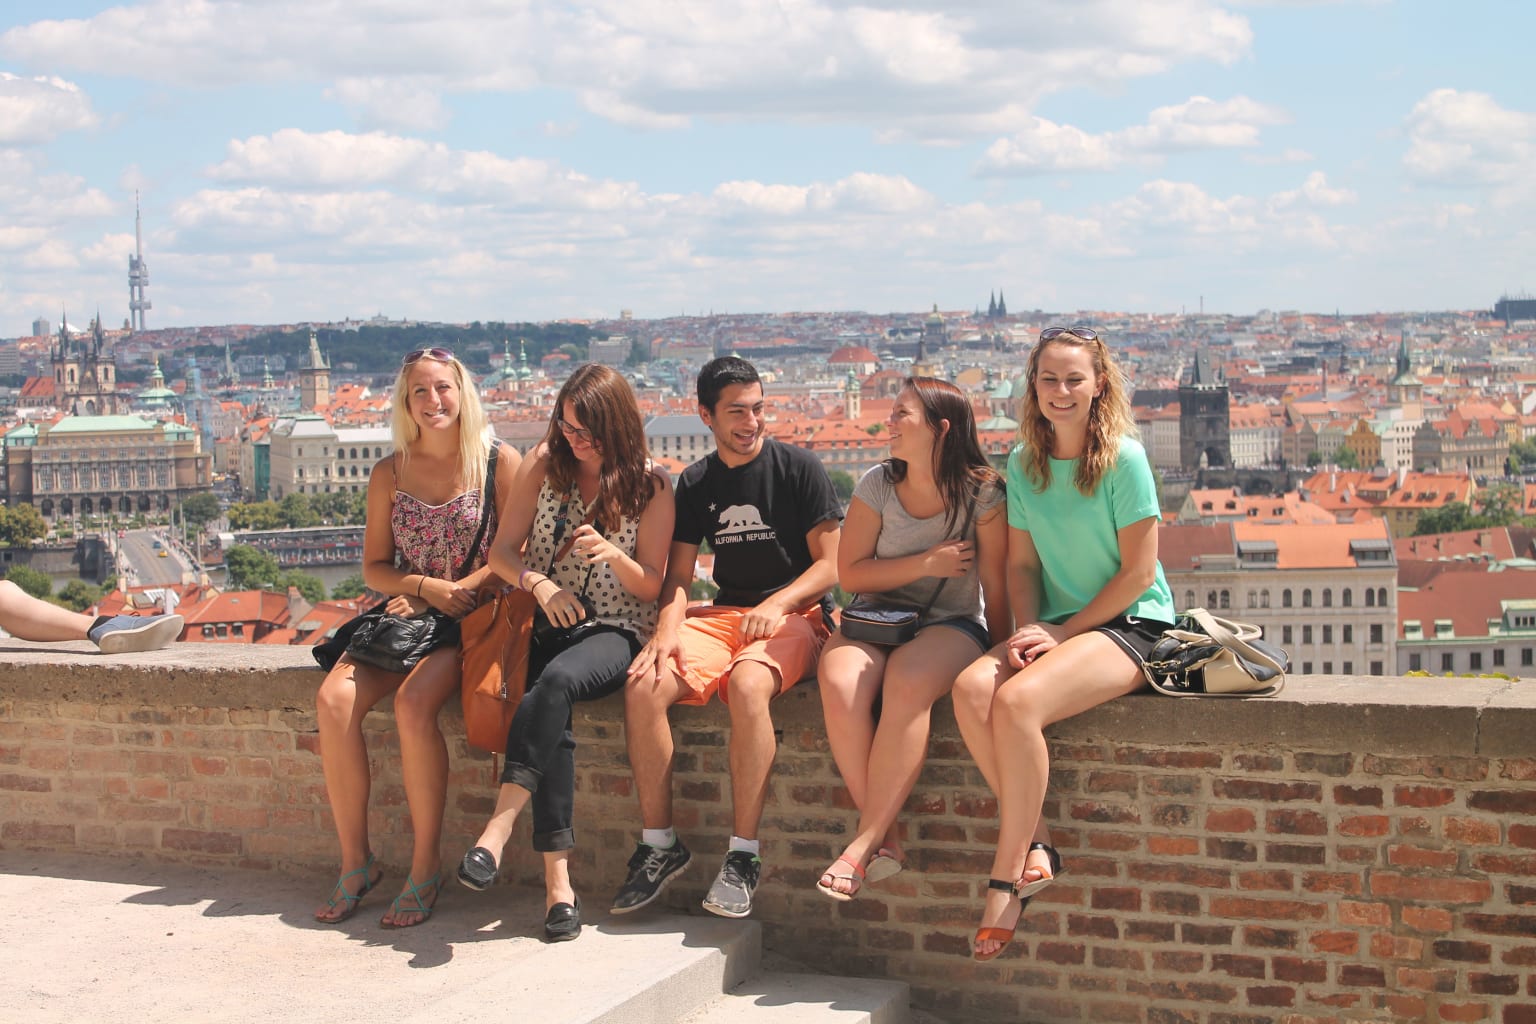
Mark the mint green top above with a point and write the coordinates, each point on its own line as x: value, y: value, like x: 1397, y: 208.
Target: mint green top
x: 1078, y: 536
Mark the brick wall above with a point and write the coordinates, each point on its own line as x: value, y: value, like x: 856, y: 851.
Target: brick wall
x: 1358, y: 849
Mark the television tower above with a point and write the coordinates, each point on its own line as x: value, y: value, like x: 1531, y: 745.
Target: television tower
x: 138, y: 273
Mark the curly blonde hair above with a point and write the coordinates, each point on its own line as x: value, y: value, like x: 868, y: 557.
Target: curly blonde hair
x: 1109, y: 417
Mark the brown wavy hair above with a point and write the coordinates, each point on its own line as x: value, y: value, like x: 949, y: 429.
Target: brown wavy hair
x: 1109, y: 418
x: 960, y: 468
x: 605, y: 404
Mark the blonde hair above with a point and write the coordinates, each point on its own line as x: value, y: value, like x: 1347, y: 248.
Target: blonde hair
x: 1109, y: 418
x: 474, y: 444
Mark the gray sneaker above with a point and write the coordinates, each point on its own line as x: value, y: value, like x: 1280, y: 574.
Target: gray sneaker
x: 127, y: 634
x: 731, y: 895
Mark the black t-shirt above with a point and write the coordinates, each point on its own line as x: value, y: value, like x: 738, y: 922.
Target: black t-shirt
x: 755, y: 518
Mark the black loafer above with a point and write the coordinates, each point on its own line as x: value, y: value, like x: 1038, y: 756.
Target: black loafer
x: 478, y: 869
x: 563, y: 922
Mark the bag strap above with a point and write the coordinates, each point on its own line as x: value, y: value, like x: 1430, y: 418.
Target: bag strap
x: 489, y: 487
x: 964, y: 529
x: 1224, y: 633
x: 559, y: 551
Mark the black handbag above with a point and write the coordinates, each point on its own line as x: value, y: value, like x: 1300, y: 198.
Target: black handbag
x: 887, y: 624
x: 1203, y: 656
x: 396, y: 643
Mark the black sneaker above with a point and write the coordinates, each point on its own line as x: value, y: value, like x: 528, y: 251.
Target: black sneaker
x: 731, y: 895
x: 650, y: 869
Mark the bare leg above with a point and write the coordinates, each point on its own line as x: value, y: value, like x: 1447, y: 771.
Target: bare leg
x: 1083, y: 672
x: 510, y: 801
x: 424, y: 766
x: 557, y: 879
x: 916, y: 675
x: 29, y: 618
x: 849, y: 680
x: 348, y: 692
x: 750, y: 687
x: 648, y: 736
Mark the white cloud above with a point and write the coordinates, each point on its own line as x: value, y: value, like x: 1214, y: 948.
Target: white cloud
x: 36, y: 110
x: 1467, y: 138
x: 902, y: 70
x: 1043, y: 146
x: 1315, y: 192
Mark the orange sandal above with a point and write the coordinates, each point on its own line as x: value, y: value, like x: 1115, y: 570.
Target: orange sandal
x: 1002, y: 935
x: 826, y: 887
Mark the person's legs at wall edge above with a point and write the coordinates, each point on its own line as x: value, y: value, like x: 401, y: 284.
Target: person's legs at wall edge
x: 1003, y: 715
x: 348, y: 692
x: 541, y: 767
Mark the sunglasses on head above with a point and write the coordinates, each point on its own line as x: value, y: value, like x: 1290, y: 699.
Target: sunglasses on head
x: 1080, y: 333
x: 442, y: 355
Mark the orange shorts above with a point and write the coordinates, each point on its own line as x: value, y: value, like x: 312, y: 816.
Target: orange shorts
x: 711, y: 637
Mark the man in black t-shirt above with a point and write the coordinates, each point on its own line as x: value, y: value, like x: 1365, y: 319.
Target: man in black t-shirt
x: 772, y: 518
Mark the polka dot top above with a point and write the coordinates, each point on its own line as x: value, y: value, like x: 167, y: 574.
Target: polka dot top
x: 615, y: 605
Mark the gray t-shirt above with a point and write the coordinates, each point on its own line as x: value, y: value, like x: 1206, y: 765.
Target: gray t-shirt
x: 902, y: 534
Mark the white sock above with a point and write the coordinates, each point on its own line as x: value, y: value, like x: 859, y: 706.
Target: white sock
x: 745, y: 845
x: 660, y: 838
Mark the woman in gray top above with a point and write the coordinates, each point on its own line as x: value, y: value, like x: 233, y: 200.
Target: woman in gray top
x: 925, y: 529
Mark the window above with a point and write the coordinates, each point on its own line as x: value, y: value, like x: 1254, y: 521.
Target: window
x: 1447, y: 662
x: 1306, y: 597
x: 1264, y: 599
x: 1286, y: 636
x: 1327, y: 597
x: 1327, y: 634
x: 1210, y: 599
x: 1306, y: 668
x: 1381, y: 596
x: 1349, y: 633
x: 1349, y: 668
x: 1349, y: 598
x: 238, y: 629
x: 1306, y: 634
x: 1498, y: 657
x: 1475, y: 660
x: 1285, y: 598
x: 1327, y: 668
x: 1253, y: 599
x: 1525, y: 656
x: 1376, y: 667
x: 1226, y: 599
x: 1376, y: 633
x: 1415, y: 663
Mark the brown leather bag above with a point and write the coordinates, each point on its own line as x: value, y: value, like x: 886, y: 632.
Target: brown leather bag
x: 493, y: 662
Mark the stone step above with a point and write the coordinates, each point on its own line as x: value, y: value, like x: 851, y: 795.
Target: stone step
x: 777, y: 997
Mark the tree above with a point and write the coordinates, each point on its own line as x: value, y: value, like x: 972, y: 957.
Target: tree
x: 702, y: 590
x: 348, y: 588
x: 296, y: 511
x: 310, y: 586
x: 201, y: 509
x: 1447, y: 518
x: 30, y: 580
x: 1498, y: 505
x: 1314, y: 459
x: 261, y: 515
x: 842, y: 483
x: 1345, y: 458
x: 78, y: 595
x: 250, y: 567
x: 21, y: 524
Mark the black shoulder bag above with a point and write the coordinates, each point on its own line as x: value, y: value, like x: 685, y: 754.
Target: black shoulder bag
x: 395, y: 643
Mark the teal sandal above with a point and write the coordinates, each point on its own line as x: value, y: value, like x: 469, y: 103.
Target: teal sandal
x: 412, y: 891
x: 341, y: 895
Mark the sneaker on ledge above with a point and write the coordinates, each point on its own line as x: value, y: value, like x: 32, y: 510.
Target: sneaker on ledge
x: 127, y: 634
x: 731, y: 895
x: 650, y: 869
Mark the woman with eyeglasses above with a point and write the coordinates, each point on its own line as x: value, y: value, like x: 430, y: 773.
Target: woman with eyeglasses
x: 1088, y: 596
x: 425, y: 505
x: 925, y: 529
x: 592, y: 549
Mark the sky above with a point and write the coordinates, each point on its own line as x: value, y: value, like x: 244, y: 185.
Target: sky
x: 533, y: 160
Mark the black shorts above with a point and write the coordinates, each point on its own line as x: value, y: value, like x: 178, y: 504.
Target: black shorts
x: 1135, y: 636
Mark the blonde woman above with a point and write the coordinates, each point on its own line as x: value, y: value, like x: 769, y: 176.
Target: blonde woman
x: 424, y: 511
x: 1087, y: 593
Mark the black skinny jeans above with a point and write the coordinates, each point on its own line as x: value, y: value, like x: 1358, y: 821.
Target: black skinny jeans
x: 541, y: 750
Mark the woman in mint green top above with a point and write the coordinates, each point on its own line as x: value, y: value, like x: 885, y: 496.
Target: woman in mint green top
x: 1087, y: 594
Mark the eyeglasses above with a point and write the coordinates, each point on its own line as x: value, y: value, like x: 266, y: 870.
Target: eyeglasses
x: 581, y: 434
x: 1080, y: 333
x: 442, y: 355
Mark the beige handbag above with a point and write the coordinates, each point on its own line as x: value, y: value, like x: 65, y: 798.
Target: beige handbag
x: 1204, y: 656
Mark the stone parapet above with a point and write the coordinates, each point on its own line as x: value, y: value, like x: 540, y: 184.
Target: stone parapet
x: 1355, y: 849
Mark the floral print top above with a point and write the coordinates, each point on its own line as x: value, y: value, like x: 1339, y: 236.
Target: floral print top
x: 433, y: 539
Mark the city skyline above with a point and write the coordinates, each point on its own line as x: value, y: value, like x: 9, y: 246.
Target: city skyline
x: 299, y: 163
